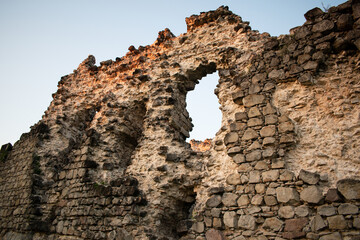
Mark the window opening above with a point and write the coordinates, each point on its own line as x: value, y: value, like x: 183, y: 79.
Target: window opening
x: 203, y: 108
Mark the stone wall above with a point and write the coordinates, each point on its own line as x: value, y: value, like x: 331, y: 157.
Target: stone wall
x: 109, y: 159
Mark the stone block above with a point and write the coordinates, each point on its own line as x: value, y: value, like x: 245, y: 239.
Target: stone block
x: 271, y: 119
x: 247, y: 222
x: 250, y: 134
x: 326, y: 210
x: 253, y: 99
x: 337, y: 222
x: 356, y: 223
x: 348, y: 208
x: 286, y: 127
x: 323, y: 26
x: 273, y: 224
x: 268, y: 109
x: 311, y: 194
x: 253, y: 156
x: 198, y: 227
x: 295, y: 225
x: 268, y: 131
x: 230, y: 219
x: 331, y: 236
x: 261, y: 165
x: 317, y: 223
x: 349, y: 188
x: 253, y: 122
x: 229, y: 199
x: 254, y: 112
x: 234, y: 150
x: 333, y: 195
x: 309, y: 177
x: 302, y: 211
x: 270, y: 176
x: 257, y: 200
x: 268, y: 152
x: 239, y: 158
x: 243, y: 200
x: 213, y: 234
x: 239, y: 116
x: 233, y: 179
x: 286, y: 212
x: 293, y: 235
x: 217, y: 223
x: 255, y: 177
x: 277, y: 74
x: 270, y: 200
x: 260, y: 188
x: 231, y: 137
x: 213, y: 201
x: 215, y: 212
x: 287, y: 195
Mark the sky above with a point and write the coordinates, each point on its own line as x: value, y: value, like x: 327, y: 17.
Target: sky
x: 42, y: 40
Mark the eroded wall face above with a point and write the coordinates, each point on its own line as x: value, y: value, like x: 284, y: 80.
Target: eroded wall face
x: 109, y: 158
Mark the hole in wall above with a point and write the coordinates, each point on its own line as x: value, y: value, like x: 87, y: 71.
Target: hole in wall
x: 203, y: 108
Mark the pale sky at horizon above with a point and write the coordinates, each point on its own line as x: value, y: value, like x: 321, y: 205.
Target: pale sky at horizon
x: 42, y: 40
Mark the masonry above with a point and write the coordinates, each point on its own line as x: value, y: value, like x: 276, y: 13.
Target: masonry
x: 109, y: 159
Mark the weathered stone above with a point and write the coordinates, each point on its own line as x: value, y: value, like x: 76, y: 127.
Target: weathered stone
x: 313, y: 13
x: 243, y: 200
x: 253, y: 156
x: 293, y: 235
x: 326, y: 210
x: 344, y: 22
x: 270, y: 176
x: 317, y: 223
x: 287, y: 195
x: 254, y: 112
x: 233, y: 179
x: 255, y: 177
x: 337, y: 222
x: 311, y: 194
x: 268, y: 131
x: 247, y: 222
x: 270, y: 200
x: 332, y: 195
x: 295, y: 225
x: 286, y: 127
x: 271, y: 119
x: 331, y: 236
x: 277, y: 74
x: 234, y: 150
x: 348, y: 208
x: 268, y: 109
x: 198, y: 227
x: 230, y: 219
x: 239, y: 158
x: 250, y: 134
x: 229, y: 199
x: 257, y: 200
x: 215, y: 212
x: 273, y: 224
x: 302, y: 32
x: 217, y: 222
x: 308, y: 177
x: 215, y: 190
x: 240, y: 116
x: 255, y: 122
x: 213, y: 234
x: 231, y: 137
x: 311, y: 65
x: 302, y: 211
x: 356, y: 223
x: 253, y: 99
x: 286, y: 212
x: 213, y: 201
x: 261, y: 165
x: 287, y: 176
x: 349, y: 188
x: 323, y: 26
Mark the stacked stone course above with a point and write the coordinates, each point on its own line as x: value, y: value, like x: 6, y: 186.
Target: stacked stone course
x: 109, y: 159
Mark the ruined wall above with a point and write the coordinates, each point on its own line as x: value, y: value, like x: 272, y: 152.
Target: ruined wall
x: 109, y: 158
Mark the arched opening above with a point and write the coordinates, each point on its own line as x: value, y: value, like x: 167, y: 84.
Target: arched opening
x: 203, y: 108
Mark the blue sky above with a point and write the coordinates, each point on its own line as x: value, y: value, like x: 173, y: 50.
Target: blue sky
x: 42, y: 40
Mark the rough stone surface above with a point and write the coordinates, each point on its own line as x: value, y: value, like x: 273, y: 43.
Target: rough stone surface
x: 109, y: 159
x: 285, y: 195
x: 311, y: 194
